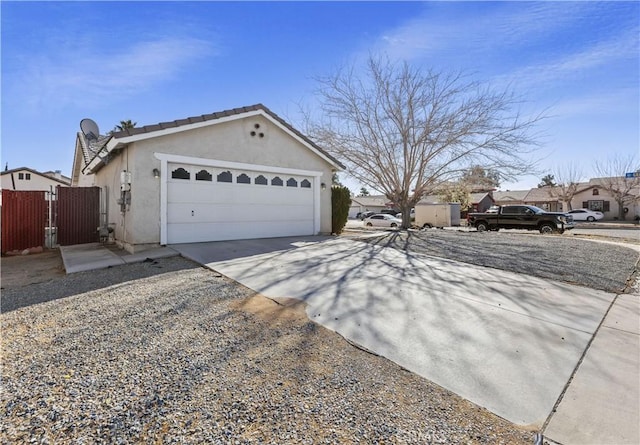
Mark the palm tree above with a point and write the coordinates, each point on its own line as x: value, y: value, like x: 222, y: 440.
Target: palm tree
x: 125, y: 125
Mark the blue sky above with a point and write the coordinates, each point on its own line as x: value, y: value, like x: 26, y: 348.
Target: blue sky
x: 160, y: 61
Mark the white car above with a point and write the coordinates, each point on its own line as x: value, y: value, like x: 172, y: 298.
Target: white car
x: 585, y: 215
x: 382, y: 220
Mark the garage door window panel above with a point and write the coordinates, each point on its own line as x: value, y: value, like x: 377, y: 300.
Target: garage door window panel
x: 204, y: 175
x: 225, y: 177
x: 261, y: 180
x: 291, y: 182
x: 180, y: 173
x: 243, y: 179
x: 277, y: 181
x: 305, y: 184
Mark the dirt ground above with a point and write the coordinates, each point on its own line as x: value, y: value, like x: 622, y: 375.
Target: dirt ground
x: 22, y: 270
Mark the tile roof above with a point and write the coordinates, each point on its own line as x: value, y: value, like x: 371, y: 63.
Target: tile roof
x: 373, y: 200
x: 541, y: 194
x: 217, y: 115
x: 90, y: 148
x: 436, y: 199
x: 510, y: 195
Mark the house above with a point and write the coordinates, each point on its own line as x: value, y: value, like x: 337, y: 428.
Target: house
x: 545, y: 198
x: 480, y: 202
x: 236, y: 174
x: 24, y: 178
x: 373, y: 203
x: 593, y: 195
x: 509, y: 197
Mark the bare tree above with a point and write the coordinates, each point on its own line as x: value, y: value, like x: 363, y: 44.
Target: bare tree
x: 403, y: 131
x: 611, y: 172
x: 479, y: 179
x: 567, y: 180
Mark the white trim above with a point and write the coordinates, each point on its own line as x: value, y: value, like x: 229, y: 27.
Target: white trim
x: 164, y: 172
x: 316, y: 205
x: 179, y: 159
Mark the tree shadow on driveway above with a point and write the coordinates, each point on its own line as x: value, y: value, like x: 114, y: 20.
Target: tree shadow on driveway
x: 506, y: 341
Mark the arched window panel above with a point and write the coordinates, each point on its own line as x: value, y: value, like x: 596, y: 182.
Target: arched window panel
x: 305, y: 184
x: 243, y: 178
x: 180, y: 173
x: 260, y: 180
x: 292, y: 182
x: 225, y: 177
x: 204, y: 175
x: 277, y: 181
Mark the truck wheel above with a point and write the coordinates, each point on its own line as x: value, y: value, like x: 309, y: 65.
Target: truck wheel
x: 547, y: 229
x: 369, y: 224
x: 482, y: 226
x: 394, y: 225
x: 427, y: 226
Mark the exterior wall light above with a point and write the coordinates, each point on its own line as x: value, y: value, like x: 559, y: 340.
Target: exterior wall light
x: 323, y: 186
x: 156, y: 173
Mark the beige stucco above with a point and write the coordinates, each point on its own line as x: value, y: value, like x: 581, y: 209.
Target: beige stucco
x: 586, y: 195
x: 139, y: 227
x: 37, y: 181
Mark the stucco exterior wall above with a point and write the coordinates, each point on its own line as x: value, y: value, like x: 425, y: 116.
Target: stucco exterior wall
x: 229, y: 141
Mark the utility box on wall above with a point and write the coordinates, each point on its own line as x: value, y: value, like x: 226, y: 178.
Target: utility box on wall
x: 437, y: 215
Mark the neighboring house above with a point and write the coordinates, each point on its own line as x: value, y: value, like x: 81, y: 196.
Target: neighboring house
x: 237, y: 174
x: 374, y: 203
x: 509, y: 197
x: 544, y: 198
x: 590, y: 195
x: 24, y: 178
x: 593, y: 196
x: 480, y: 202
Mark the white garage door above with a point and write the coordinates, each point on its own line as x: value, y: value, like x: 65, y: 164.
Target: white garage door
x: 213, y: 204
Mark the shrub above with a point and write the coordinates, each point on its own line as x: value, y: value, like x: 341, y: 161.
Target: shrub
x: 340, y: 203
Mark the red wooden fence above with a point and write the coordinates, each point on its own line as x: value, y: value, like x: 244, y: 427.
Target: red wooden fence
x: 24, y: 218
x: 75, y: 217
x: 78, y: 215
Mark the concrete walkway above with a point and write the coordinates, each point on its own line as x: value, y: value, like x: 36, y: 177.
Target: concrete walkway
x: 83, y: 257
x: 518, y: 345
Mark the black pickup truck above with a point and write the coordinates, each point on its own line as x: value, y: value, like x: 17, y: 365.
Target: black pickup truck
x: 521, y: 217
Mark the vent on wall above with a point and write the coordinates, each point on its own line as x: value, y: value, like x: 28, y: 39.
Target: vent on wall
x: 255, y: 133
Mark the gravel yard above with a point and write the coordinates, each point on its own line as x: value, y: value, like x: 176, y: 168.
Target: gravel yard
x: 169, y: 352
x: 558, y: 257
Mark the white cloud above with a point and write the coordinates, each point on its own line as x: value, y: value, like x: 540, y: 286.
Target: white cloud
x: 88, y: 78
x: 438, y: 32
x: 575, y: 65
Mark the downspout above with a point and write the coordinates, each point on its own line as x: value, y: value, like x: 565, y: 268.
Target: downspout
x: 13, y: 181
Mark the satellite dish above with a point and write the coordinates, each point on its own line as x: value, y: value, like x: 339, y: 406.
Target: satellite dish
x: 89, y: 129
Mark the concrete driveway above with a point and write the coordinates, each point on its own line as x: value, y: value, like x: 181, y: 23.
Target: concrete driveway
x: 505, y: 341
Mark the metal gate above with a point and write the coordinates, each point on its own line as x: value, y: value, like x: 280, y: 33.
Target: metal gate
x: 24, y: 218
x: 73, y: 213
x: 77, y: 215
